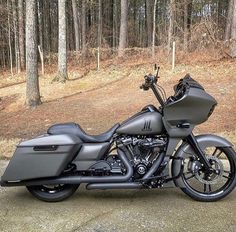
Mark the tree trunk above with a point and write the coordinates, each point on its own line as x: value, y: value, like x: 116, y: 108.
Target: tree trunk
x: 32, y: 83
x: 9, y: 37
x: 187, y: 22
x: 76, y: 24
x: 123, y: 27
x: 185, y: 27
x: 229, y: 20
x: 114, y: 25
x: 149, y: 22
x: 21, y: 33
x: 40, y: 23
x: 62, y: 43
x: 154, y: 29
x: 233, y: 32
x: 16, y: 37
x: 83, y: 22
x: 233, y: 26
x: 99, y: 40
x: 171, y: 25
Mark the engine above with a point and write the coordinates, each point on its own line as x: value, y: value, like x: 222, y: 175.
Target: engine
x: 142, y: 151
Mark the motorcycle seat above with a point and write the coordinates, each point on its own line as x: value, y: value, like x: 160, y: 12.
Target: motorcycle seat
x: 75, y: 129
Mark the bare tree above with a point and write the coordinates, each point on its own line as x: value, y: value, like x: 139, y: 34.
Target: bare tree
x: 123, y: 27
x: 233, y: 26
x: 62, y: 75
x: 233, y: 32
x: 99, y: 40
x: 21, y: 33
x: 149, y: 22
x: 115, y: 25
x: 16, y: 36
x: 229, y: 20
x: 171, y: 24
x: 83, y: 22
x: 76, y: 24
x: 9, y: 37
x: 32, y: 83
x: 154, y: 29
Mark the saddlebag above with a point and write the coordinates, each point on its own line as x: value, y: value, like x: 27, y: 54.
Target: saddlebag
x: 44, y: 156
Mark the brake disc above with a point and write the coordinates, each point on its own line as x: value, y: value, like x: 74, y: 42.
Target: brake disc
x: 212, y: 178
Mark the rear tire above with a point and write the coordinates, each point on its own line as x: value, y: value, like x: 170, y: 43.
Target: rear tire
x: 54, y: 193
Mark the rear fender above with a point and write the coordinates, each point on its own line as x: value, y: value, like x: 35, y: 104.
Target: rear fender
x: 204, y: 141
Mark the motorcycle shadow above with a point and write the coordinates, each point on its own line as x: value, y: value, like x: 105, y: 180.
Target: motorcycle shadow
x: 122, y: 194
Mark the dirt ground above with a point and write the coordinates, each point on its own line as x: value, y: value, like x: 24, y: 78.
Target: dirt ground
x: 97, y: 100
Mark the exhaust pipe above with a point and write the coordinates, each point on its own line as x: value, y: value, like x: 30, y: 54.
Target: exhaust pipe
x: 80, y: 179
x: 105, y: 186
x: 155, y: 166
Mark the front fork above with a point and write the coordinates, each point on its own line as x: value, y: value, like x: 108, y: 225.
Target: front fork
x: 200, y: 153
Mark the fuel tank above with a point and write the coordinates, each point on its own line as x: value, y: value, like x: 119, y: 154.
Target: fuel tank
x: 142, y: 123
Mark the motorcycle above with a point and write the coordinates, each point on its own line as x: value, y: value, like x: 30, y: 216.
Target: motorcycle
x: 155, y: 148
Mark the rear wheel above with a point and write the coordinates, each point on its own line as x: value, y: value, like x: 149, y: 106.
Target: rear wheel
x: 52, y: 193
x: 203, y: 186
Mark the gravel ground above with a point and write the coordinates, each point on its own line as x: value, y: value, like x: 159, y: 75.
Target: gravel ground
x: 115, y: 210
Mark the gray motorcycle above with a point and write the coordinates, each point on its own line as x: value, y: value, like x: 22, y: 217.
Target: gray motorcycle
x: 155, y: 148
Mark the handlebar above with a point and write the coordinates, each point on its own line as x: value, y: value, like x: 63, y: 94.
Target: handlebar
x: 149, y: 81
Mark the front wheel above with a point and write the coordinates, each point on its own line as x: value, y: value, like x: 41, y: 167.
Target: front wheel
x: 203, y: 186
x: 52, y: 193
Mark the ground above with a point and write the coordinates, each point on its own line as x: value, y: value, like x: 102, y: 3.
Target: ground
x: 98, y: 100
x: 115, y: 210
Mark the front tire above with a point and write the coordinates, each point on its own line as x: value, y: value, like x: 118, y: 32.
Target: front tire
x: 207, y: 190
x: 52, y: 193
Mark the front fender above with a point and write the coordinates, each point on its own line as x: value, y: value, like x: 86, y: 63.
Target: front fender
x: 204, y: 141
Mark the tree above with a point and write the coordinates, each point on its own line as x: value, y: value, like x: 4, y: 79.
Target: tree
x: 62, y: 75
x: 233, y: 32
x: 9, y: 37
x: 76, y: 24
x: 233, y: 25
x: 32, y: 83
x: 187, y: 22
x: 123, y: 27
x: 149, y: 22
x: 171, y: 24
x: 21, y: 33
x: 229, y: 20
x: 16, y: 37
x: 99, y: 40
x: 154, y: 29
x: 83, y: 22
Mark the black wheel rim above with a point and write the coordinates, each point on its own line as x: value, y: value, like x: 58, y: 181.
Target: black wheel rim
x: 224, y: 181
x: 51, y: 189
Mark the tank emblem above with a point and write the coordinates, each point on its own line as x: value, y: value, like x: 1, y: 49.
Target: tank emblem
x: 147, y: 126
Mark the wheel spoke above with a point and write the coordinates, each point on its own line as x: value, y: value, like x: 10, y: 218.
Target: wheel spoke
x: 216, y: 149
x: 218, y: 155
x: 227, y: 177
x: 187, y: 178
x: 205, y: 188
x: 209, y: 187
x: 227, y: 171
